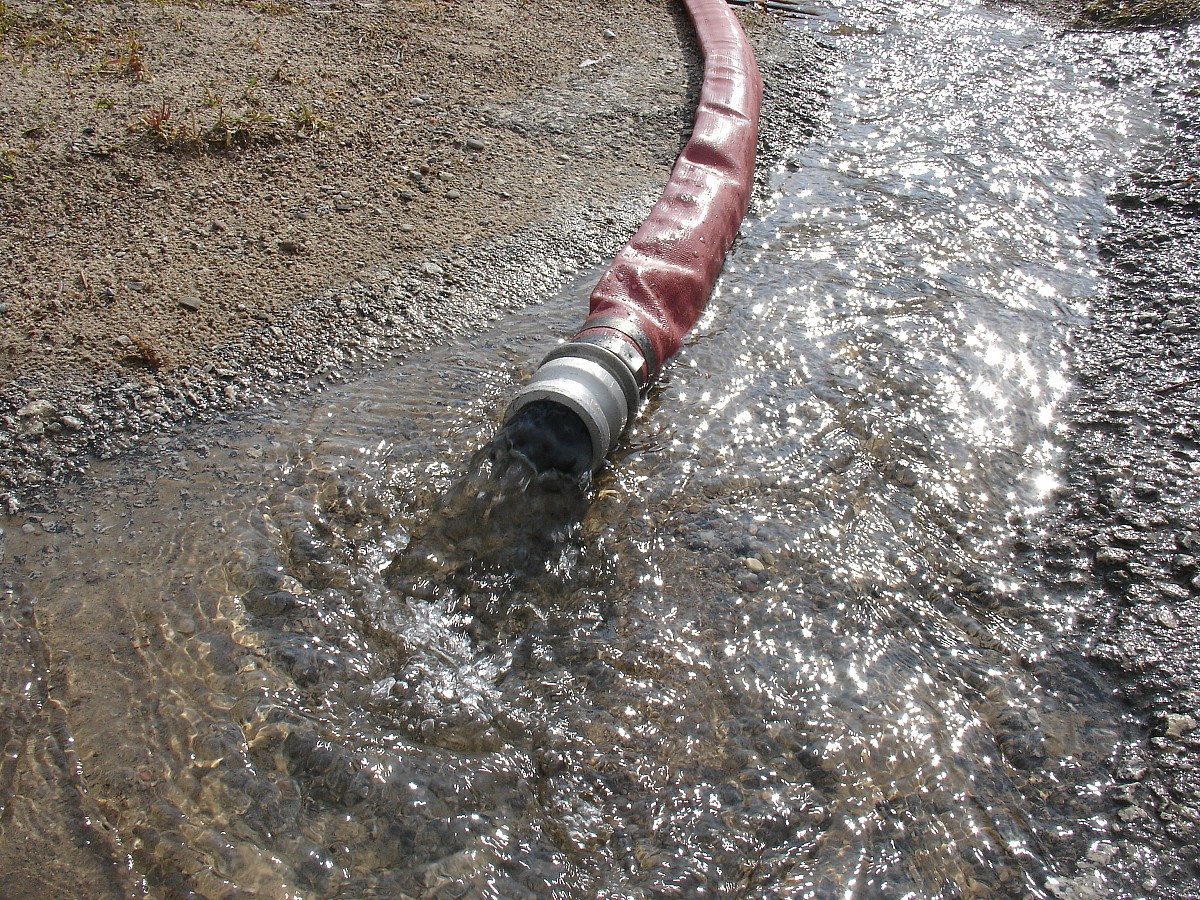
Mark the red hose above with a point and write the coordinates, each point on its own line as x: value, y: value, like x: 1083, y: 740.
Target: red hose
x: 658, y: 285
x: 655, y: 290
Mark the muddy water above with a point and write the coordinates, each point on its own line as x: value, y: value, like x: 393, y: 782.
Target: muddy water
x: 778, y: 648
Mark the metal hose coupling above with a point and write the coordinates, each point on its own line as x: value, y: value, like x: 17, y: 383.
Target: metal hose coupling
x: 596, y: 380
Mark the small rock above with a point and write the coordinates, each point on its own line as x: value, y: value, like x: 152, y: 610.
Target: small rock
x: 291, y: 246
x: 432, y: 268
x: 446, y: 176
x: 124, y: 341
x: 1133, y: 768
x: 5, y: 307
x: 1112, y: 557
x: 609, y: 34
x: 1172, y: 591
x: 754, y: 565
x: 1122, y: 535
x: 1166, y: 618
x: 748, y: 583
x: 406, y: 196
x: 72, y: 423
x: 1145, y: 491
x: 406, y: 227
x: 417, y: 101
x: 1179, y: 725
x: 474, y: 143
x: 453, y: 195
x: 37, y: 409
x: 217, y: 226
x: 190, y: 303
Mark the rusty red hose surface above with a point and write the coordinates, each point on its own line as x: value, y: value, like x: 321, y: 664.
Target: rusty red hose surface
x: 661, y: 280
x: 658, y: 285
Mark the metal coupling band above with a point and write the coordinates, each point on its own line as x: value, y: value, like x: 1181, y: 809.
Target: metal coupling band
x: 647, y: 367
x: 592, y: 382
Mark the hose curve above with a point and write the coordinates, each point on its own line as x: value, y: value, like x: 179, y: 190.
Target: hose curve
x: 657, y: 286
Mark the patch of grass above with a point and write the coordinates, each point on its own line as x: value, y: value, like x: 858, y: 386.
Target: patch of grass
x: 8, y: 163
x: 167, y: 130
x: 129, y: 59
x: 250, y: 128
x: 44, y: 30
x: 8, y: 20
x: 213, y: 98
x: 271, y: 8
x: 307, y: 122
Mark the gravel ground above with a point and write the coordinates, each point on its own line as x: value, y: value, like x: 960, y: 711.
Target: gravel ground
x: 299, y: 214
x: 1127, y: 533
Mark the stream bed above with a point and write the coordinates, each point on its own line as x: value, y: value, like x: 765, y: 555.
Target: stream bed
x: 779, y: 648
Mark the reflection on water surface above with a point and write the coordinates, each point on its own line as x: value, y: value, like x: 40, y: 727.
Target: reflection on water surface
x: 779, y: 649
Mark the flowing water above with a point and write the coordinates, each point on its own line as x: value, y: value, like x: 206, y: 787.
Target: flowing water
x: 780, y: 648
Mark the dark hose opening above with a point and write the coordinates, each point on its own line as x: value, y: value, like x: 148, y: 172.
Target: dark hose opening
x: 547, y: 437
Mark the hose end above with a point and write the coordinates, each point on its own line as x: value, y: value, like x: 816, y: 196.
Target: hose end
x: 592, y: 382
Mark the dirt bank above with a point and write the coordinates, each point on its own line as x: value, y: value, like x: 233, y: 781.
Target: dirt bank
x: 187, y: 193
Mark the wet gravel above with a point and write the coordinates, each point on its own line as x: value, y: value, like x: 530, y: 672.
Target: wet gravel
x: 1125, y: 537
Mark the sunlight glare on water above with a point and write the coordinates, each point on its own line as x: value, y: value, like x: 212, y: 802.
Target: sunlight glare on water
x: 781, y: 648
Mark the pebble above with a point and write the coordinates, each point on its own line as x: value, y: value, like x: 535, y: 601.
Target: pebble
x: 1166, y: 618
x: 609, y: 34
x: 191, y: 303
x: 432, y: 268
x: 1179, y: 725
x: 1112, y: 557
x: 1122, y: 535
x: 474, y: 143
x: 446, y: 176
x: 405, y: 227
x: 453, y: 195
x: 1172, y: 591
x: 5, y: 307
x: 1133, y: 814
x: 37, y: 409
x: 1145, y: 491
x: 755, y: 565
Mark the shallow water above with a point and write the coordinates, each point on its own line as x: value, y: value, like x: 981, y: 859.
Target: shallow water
x: 780, y: 648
